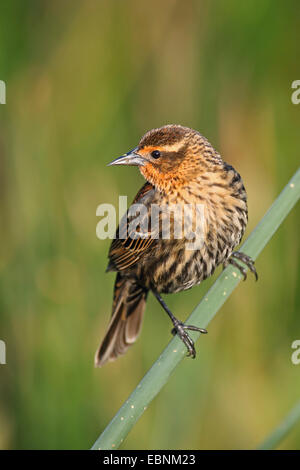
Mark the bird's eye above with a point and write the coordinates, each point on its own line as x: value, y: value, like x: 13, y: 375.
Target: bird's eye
x: 155, y: 154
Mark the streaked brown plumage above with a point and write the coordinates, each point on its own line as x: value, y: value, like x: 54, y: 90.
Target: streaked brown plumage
x: 181, y: 167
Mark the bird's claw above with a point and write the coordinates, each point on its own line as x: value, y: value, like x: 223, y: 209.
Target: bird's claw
x: 247, y: 260
x: 180, y: 329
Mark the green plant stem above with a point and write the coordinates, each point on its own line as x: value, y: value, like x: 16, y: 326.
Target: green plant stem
x: 115, y: 433
x: 272, y: 441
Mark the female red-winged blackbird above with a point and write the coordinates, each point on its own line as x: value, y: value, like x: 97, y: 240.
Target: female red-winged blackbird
x: 183, y: 169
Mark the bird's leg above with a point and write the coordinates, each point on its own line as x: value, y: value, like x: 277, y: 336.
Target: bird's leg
x: 244, y: 259
x: 180, y: 328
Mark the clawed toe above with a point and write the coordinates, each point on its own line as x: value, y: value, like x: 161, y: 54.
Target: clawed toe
x: 180, y: 329
x: 247, y: 260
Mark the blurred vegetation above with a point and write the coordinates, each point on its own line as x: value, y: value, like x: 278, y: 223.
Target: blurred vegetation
x: 84, y: 81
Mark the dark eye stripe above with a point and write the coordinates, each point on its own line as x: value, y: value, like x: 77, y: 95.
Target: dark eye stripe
x: 155, y: 154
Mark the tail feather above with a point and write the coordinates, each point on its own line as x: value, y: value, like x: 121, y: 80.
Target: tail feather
x: 126, y: 321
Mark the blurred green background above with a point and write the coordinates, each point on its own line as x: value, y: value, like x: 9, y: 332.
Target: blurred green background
x: 84, y: 81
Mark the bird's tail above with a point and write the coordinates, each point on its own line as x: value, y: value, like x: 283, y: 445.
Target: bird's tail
x: 126, y: 320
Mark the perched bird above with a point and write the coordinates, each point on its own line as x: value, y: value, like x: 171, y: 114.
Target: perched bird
x: 181, y: 169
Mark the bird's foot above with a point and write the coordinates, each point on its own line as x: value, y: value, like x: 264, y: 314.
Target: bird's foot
x: 180, y: 329
x: 244, y: 259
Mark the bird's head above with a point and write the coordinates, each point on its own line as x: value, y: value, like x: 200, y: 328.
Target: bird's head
x: 172, y: 154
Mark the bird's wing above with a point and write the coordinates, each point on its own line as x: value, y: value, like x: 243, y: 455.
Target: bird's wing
x: 127, y: 248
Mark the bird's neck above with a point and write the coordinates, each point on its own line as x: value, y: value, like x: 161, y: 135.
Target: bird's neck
x: 175, y: 181
x: 167, y: 182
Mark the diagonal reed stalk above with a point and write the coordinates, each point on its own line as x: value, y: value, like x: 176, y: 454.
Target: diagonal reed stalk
x: 116, y: 431
x: 279, y: 433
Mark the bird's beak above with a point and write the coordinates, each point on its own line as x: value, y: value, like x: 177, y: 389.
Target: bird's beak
x: 131, y: 158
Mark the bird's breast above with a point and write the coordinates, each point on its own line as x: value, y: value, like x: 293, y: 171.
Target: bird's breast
x: 211, y: 221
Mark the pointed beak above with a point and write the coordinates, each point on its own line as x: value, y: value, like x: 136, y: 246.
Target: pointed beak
x: 131, y: 158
